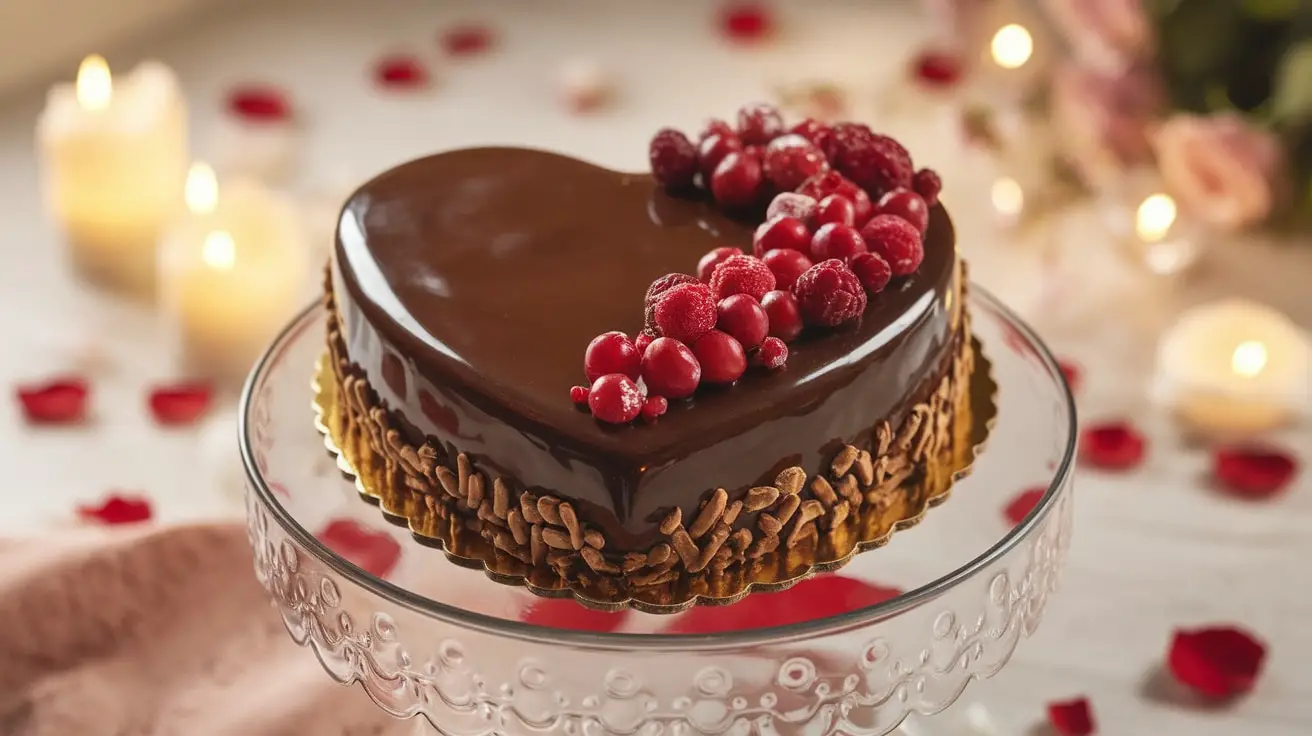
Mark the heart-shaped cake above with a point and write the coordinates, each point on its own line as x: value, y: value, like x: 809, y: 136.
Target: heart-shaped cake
x: 626, y: 380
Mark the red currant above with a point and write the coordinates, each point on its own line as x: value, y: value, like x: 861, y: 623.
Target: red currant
x: 670, y: 369
x: 721, y: 356
x: 785, y: 316
x: 743, y: 318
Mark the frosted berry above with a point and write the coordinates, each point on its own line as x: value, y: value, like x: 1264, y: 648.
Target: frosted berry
x: 579, y: 395
x: 741, y: 275
x: 829, y: 294
x: 818, y: 133
x: 615, y: 399
x: 611, y: 352
x: 737, y: 180
x: 873, y: 271
x: 773, y: 353
x: 897, y: 240
x: 722, y: 358
x: 928, y: 185
x: 658, y: 287
x: 743, y: 318
x: 836, y: 241
x: 673, y: 159
x: 791, y: 204
x: 785, y: 316
x: 835, y: 208
x: 713, y: 258
x: 759, y: 123
x: 832, y: 182
x: 641, y: 342
x: 786, y: 265
x: 790, y: 160
x: 685, y: 312
x: 874, y: 162
x: 715, y: 126
x: 787, y: 233
x: 906, y: 204
x: 654, y: 407
x: 712, y: 150
x: 670, y: 369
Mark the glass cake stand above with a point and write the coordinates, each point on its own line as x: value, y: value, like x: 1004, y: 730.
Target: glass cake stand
x: 458, y: 653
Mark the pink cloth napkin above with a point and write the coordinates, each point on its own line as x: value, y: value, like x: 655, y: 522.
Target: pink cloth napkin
x: 157, y: 630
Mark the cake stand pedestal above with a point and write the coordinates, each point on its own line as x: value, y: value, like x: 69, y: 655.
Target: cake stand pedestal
x: 449, y: 648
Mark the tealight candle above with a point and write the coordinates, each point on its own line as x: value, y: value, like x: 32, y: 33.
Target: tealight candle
x: 232, y: 272
x: 113, y: 158
x: 1234, y: 367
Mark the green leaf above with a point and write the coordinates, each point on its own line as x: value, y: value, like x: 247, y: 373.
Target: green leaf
x: 1293, y: 93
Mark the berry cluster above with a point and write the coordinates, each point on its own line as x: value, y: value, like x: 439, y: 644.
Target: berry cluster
x: 847, y: 212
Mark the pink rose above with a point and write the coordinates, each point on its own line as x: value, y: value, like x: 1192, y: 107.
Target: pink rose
x: 1104, y: 119
x: 1221, y: 168
x: 1108, y: 34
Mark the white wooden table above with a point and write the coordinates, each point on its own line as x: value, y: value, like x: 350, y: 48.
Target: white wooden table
x: 1154, y: 549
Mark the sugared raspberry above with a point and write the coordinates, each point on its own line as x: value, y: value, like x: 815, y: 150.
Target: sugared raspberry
x: 673, y: 159
x: 715, y: 126
x: 773, y: 353
x: 579, y: 394
x: 831, y: 182
x: 722, y: 358
x: 791, y: 160
x: 906, y: 204
x: 713, y: 149
x: 897, y: 240
x: 818, y: 133
x: 784, y: 313
x: 741, y: 275
x: 706, y: 266
x: 836, y: 241
x: 685, y: 312
x: 781, y: 232
x: 928, y: 185
x: 786, y: 265
x: 670, y: 369
x: 791, y: 204
x: 737, y: 181
x: 835, y: 208
x: 829, y: 294
x: 759, y: 123
x: 654, y: 407
x: 658, y: 287
x: 743, y: 318
x: 615, y: 399
x: 874, y: 162
x: 611, y: 352
x: 642, y: 341
x: 873, y: 271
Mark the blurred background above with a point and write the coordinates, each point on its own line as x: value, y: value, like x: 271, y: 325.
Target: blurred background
x: 1133, y: 177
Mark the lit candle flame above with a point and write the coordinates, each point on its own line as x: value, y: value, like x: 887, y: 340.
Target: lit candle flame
x: 201, y: 191
x: 1008, y: 197
x: 1249, y: 358
x: 219, y: 252
x: 1155, y: 217
x: 94, y: 85
x: 1012, y: 46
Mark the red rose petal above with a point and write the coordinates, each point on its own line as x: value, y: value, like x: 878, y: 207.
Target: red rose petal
x: 1072, y: 717
x: 180, y: 404
x: 374, y: 552
x: 1071, y: 372
x: 746, y: 21
x: 401, y: 71
x: 936, y: 68
x: 259, y: 103
x: 1112, y: 446
x: 1216, y: 662
x: 61, y: 401
x: 818, y: 597
x: 1021, y: 506
x: 1253, y: 472
x: 565, y: 613
x: 467, y: 40
x: 116, y: 509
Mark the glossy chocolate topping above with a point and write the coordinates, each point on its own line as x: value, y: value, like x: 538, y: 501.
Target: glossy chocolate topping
x: 470, y: 282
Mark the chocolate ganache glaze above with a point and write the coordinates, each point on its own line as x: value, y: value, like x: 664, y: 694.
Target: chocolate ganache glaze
x: 469, y: 282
